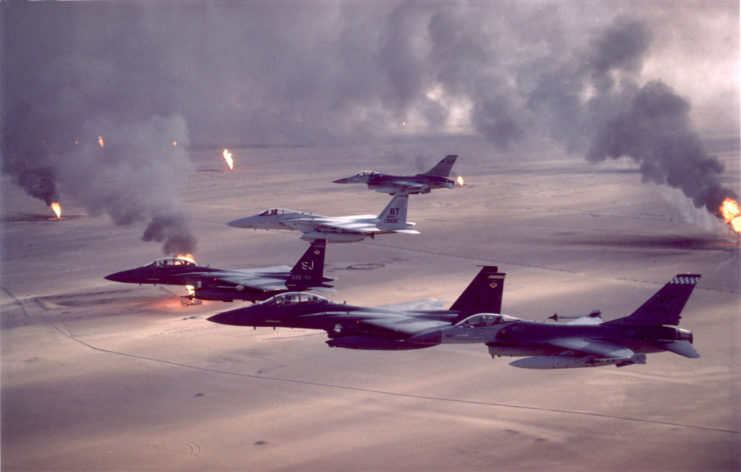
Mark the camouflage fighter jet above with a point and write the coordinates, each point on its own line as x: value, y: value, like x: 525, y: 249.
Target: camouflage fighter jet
x: 435, y: 178
x: 585, y: 341
x: 387, y: 327
x: 208, y: 283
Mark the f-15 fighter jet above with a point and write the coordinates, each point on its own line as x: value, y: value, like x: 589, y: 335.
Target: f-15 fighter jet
x: 207, y: 283
x: 435, y: 178
x: 387, y: 327
x: 337, y: 229
x: 584, y: 341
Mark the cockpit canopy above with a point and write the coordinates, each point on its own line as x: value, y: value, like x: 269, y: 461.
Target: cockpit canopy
x: 276, y: 212
x: 294, y: 298
x: 165, y: 262
x: 485, y: 319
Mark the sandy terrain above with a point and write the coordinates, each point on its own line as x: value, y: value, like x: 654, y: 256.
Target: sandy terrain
x: 104, y: 376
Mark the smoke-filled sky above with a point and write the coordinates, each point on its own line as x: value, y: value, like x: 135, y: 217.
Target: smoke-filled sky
x: 601, y: 79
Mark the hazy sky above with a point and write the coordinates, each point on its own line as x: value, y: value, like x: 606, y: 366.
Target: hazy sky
x: 602, y: 79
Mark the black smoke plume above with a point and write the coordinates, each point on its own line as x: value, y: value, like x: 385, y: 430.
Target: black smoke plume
x: 318, y: 73
x: 69, y: 80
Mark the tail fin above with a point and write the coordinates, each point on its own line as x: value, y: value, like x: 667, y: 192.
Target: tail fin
x: 309, y: 270
x: 664, y: 307
x: 442, y: 168
x: 395, y: 213
x: 483, y: 294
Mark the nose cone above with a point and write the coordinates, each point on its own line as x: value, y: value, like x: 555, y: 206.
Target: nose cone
x: 126, y: 276
x: 233, y: 317
x: 353, y: 179
x: 247, y: 222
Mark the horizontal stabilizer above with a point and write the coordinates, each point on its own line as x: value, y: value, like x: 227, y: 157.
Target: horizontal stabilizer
x: 683, y: 348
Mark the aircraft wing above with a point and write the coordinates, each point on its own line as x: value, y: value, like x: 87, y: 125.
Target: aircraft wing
x: 404, y: 325
x: 347, y: 226
x: 420, y: 305
x: 407, y: 185
x: 593, y: 347
x: 264, y: 278
x: 256, y: 282
x: 336, y: 225
x: 586, y: 320
x: 383, y: 323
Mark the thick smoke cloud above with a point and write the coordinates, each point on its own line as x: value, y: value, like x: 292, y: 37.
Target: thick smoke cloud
x: 231, y: 73
x: 655, y: 132
x: 87, y: 117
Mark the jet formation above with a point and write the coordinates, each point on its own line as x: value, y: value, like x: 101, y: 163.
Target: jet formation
x: 475, y: 317
x: 336, y: 229
x: 435, y: 178
x: 585, y: 341
x: 209, y: 283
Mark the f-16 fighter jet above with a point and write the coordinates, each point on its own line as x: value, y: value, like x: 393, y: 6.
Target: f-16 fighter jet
x: 337, y: 229
x: 388, y: 327
x: 584, y: 341
x: 437, y: 177
x: 207, y: 283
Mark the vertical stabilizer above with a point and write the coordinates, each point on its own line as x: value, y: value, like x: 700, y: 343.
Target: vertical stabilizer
x: 395, y: 214
x: 664, y: 307
x: 309, y: 270
x: 442, y: 168
x: 483, y: 294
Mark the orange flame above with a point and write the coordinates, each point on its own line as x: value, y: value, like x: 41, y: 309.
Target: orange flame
x: 188, y: 257
x: 191, y: 290
x: 228, y: 158
x: 100, y: 141
x: 174, y: 144
x: 731, y: 214
x: 57, y: 209
x: 460, y: 180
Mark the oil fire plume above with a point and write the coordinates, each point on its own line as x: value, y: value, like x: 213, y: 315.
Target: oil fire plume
x: 189, y: 257
x: 729, y: 211
x: 228, y: 158
x: 57, y: 209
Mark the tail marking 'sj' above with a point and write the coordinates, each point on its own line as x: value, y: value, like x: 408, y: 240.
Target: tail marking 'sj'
x: 483, y: 294
x: 309, y: 270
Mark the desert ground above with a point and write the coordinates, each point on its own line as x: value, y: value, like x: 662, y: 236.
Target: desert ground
x: 104, y: 376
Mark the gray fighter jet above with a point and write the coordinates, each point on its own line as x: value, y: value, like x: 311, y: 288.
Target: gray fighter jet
x: 584, y: 341
x: 435, y: 178
x: 337, y: 229
x: 387, y: 327
x: 208, y: 283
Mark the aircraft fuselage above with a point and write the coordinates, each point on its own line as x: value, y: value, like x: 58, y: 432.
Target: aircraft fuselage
x: 532, y: 338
